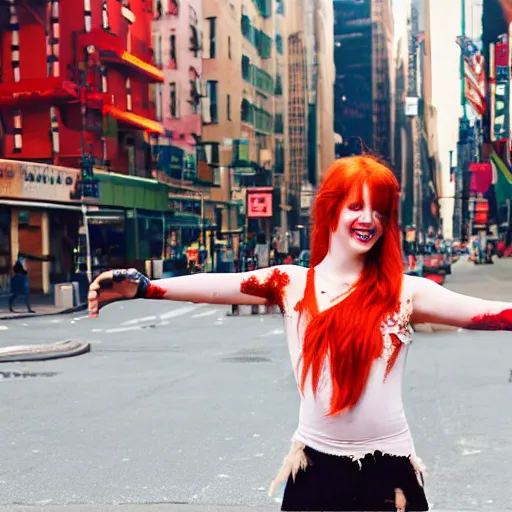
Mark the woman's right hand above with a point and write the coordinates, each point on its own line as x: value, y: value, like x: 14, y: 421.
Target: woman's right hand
x: 114, y: 285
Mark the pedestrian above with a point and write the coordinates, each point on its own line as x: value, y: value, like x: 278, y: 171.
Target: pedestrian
x: 348, y: 328
x: 20, y: 285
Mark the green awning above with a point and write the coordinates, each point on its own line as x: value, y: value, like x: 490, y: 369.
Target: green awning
x: 132, y: 192
x: 182, y: 220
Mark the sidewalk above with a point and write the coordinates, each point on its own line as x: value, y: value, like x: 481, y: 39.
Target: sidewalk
x: 493, y: 282
x: 43, y: 305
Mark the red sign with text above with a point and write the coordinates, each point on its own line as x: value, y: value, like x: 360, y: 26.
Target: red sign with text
x: 259, y: 203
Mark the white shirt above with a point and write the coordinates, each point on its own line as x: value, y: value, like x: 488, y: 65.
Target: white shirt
x: 377, y: 421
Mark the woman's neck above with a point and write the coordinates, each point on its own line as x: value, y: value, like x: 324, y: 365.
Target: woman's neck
x: 339, y: 262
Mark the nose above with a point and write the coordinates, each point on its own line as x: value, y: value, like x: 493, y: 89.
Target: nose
x: 366, y: 216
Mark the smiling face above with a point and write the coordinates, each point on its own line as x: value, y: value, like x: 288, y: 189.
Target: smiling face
x: 360, y: 226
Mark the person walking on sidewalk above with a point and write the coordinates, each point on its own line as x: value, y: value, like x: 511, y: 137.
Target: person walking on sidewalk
x: 20, y: 285
x: 348, y: 328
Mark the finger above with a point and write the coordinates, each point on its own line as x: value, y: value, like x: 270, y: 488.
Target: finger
x: 93, y: 304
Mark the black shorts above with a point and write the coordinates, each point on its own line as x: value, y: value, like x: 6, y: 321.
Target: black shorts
x: 332, y: 482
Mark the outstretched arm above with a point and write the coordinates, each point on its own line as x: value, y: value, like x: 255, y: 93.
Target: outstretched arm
x: 434, y: 304
x: 264, y: 286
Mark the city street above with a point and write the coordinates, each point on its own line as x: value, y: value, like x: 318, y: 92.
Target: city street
x: 181, y: 404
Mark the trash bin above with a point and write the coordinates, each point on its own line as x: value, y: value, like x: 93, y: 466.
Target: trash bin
x: 66, y: 295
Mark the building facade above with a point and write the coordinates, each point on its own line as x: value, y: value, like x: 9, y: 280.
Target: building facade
x: 177, y: 42
x: 239, y: 77
x: 75, y: 83
x: 363, y: 34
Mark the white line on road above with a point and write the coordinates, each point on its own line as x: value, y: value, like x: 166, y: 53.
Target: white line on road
x: 275, y: 332
x: 3, y: 327
x: 205, y: 313
x: 178, y: 312
x: 139, y: 320
x: 123, y: 329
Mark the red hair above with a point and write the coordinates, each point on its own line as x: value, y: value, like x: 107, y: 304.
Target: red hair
x: 349, y: 332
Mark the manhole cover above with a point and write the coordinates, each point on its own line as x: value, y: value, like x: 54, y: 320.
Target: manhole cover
x: 25, y: 375
x: 247, y: 359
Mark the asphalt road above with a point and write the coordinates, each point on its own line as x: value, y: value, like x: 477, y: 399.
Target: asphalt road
x: 180, y: 404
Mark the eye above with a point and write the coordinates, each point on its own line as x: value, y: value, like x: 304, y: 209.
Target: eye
x: 380, y: 216
x: 355, y: 207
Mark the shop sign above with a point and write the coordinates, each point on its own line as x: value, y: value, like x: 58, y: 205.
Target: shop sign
x: 259, y: 203
x: 42, y: 182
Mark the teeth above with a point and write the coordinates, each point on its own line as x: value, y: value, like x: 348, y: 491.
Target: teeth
x: 364, y: 235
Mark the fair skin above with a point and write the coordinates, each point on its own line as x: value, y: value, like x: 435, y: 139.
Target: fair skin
x: 358, y: 230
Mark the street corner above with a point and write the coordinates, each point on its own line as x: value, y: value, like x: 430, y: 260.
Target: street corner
x: 43, y: 352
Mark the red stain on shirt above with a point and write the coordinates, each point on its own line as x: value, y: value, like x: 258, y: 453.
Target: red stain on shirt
x: 492, y: 322
x: 155, y: 292
x: 271, y: 289
x: 397, y: 345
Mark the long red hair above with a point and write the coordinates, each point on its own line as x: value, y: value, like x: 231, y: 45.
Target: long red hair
x: 349, y: 332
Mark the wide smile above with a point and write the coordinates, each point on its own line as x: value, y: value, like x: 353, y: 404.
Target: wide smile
x: 363, y: 235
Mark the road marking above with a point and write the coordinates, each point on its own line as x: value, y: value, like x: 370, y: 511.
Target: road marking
x: 178, y: 312
x: 123, y: 329
x: 3, y: 328
x: 275, y: 332
x: 139, y: 320
x: 205, y: 313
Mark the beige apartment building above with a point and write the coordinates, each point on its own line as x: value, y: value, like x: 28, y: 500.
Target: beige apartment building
x: 263, y: 73
x: 239, y: 89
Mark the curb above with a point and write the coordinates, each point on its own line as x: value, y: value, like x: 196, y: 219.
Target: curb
x: 46, y: 352
x: 80, y: 307
x: 248, y: 310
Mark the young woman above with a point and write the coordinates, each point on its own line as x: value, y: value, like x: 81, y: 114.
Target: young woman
x: 348, y: 330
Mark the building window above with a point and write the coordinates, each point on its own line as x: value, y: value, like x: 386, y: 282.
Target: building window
x: 246, y: 68
x: 195, y: 95
x: 104, y: 15
x: 157, y: 9
x: 172, y: 48
x: 212, y: 38
x: 173, y: 97
x: 229, y: 47
x: 157, y: 48
x: 211, y: 92
x: 194, y: 40
x: 228, y: 107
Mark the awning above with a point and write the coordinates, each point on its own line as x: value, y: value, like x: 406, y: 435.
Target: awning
x: 37, y: 204
x: 129, y: 60
x: 39, y: 91
x: 110, y: 50
x: 134, y: 119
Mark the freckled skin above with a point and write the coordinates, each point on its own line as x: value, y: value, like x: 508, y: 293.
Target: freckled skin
x: 271, y: 289
x: 497, y: 322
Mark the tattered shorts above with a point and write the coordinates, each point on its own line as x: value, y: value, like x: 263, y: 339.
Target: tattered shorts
x: 373, y: 482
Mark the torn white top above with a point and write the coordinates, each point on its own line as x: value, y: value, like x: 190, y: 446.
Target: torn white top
x: 377, y: 421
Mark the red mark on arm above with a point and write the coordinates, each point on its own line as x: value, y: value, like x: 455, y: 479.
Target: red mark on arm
x: 492, y: 322
x: 155, y: 292
x: 271, y: 289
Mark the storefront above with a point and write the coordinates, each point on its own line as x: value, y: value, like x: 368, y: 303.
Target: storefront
x: 42, y: 218
x: 5, y: 250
